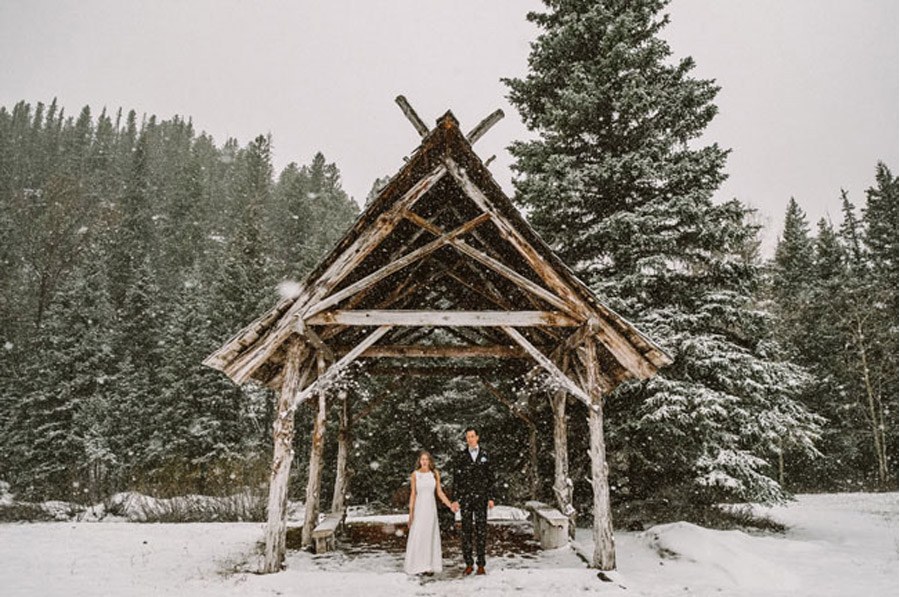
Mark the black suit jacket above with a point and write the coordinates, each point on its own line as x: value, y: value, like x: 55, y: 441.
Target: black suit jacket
x: 473, y: 482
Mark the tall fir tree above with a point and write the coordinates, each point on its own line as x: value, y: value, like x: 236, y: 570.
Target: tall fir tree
x: 617, y: 183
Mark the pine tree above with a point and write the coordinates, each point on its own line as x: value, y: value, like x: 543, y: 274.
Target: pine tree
x: 619, y: 187
x: 793, y: 278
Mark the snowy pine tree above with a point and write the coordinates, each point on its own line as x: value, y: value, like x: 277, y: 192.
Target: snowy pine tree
x: 619, y: 187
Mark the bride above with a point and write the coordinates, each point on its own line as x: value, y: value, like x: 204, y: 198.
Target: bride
x: 423, y: 545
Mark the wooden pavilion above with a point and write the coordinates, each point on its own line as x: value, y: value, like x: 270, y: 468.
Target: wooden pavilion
x: 440, y: 265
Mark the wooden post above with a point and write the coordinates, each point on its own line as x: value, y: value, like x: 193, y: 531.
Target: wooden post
x: 314, y: 481
x: 283, y: 437
x: 338, y: 498
x: 562, y: 487
x: 604, y: 542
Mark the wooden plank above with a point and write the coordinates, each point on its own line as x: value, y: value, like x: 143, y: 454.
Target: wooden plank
x: 332, y: 372
x: 439, y: 351
x: 484, y: 126
x: 411, y: 115
x: 395, y: 266
x: 442, y: 318
x: 547, y: 364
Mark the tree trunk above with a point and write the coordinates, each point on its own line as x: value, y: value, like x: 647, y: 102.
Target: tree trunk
x: 874, y: 409
x: 283, y: 437
x: 338, y: 498
x: 604, y: 541
x: 317, y: 449
x: 562, y: 486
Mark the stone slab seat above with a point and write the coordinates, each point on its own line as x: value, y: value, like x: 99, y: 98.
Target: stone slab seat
x: 551, y: 527
x: 323, y: 534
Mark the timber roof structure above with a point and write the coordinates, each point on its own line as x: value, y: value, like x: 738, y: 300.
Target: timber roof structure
x: 441, y: 265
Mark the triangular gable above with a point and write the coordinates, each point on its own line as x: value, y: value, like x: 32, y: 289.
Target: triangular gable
x: 444, y: 157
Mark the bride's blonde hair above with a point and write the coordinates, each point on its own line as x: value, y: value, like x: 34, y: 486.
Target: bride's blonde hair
x: 431, y: 465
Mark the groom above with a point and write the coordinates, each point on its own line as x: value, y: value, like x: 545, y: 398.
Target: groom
x: 473, y: 489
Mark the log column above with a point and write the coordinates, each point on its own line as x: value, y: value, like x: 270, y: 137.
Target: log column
x: 316, y: 451
x: 562, y: 486
x: 283, y: 437
x: 339, y: 497
x: 604, y: 542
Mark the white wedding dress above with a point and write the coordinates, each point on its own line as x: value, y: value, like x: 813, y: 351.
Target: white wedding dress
x: 423, y: 546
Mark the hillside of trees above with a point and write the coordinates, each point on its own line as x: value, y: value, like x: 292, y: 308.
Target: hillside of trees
x: 131, y: 248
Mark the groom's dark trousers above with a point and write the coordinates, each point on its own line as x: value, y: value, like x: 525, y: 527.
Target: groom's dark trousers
x: 473, y: 486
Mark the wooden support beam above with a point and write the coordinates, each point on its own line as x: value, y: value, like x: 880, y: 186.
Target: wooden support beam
x: 439, y: 351
x: 327, y: 376
x: 316, y: 451
x: 411, y: 115
x: 283, y: 437
x: 341, y: 474
x: 562, y: 484
x: 604, y: 556
x: 547, y: 364
x: 484, y: 126
x: 395, y: 266
x: 443, y: 318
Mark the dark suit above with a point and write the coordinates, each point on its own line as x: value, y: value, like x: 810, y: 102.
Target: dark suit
x: 473, y: 486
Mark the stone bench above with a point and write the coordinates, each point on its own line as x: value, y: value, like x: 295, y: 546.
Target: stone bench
x: 551, y: 527
x: 323, y: 534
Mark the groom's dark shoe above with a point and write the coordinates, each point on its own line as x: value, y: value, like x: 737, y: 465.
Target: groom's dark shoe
x: 467, y: 571
x: 481, y: 570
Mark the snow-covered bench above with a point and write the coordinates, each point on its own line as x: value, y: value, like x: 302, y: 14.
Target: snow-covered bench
x: 323, y: 534
x: 551, y: 527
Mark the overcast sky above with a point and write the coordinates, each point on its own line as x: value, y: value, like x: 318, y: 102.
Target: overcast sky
x: 809, y: 98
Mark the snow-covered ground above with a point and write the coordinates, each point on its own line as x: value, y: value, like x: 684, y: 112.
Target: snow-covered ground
x: 837, y: 545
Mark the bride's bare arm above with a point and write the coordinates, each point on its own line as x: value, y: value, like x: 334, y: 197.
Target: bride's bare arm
x: 412, y: 497
x: 440, y: 491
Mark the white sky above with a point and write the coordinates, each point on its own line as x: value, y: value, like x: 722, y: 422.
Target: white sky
x: 809, y: 98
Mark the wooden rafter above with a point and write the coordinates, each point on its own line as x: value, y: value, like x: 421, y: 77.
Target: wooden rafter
x: 484, y: 126
x: 396, y: 266
x: 548, y: 365
x: 411, y: 115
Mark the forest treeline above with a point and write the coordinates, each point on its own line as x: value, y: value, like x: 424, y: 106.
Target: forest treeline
x: 130, y: 249
x: 133, y: 248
